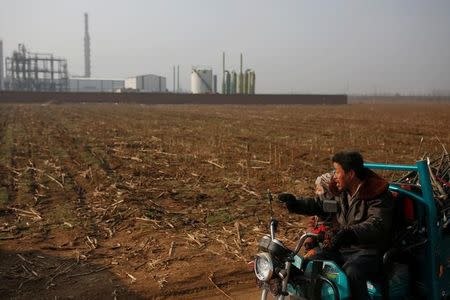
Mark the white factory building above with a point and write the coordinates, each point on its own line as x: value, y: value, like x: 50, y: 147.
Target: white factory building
x: 82, y: 84
x: 146, y: 83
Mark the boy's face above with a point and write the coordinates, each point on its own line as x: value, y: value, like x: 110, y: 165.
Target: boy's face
x: 319, y: 189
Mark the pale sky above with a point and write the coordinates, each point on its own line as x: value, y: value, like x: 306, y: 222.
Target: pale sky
x: 355, y: 46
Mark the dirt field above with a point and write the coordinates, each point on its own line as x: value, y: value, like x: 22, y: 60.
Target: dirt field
x: 135, y: 201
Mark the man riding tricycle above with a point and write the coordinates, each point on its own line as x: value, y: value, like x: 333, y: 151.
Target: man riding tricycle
x: 388, y: 241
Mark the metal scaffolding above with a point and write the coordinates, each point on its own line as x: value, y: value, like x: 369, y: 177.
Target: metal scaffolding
x: 28, y: 71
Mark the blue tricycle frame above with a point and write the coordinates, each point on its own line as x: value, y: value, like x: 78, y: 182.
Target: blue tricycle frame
x: 434, y: 277
x: 437, y: 247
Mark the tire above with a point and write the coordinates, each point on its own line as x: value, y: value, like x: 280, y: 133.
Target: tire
x: 291, y: 297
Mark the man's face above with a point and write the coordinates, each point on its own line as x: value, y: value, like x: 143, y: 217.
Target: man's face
x: 342, y: 179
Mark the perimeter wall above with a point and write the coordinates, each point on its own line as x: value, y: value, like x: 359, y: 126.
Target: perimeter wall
x: 155, y: 98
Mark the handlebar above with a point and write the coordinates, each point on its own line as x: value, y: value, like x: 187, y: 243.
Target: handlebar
x: 302, y: 241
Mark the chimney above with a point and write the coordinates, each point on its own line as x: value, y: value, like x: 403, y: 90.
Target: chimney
x: 178, y: 78
x: 223, y: 74
x: 87, y: 48
x: 174, y: 79
x: 1, y: 66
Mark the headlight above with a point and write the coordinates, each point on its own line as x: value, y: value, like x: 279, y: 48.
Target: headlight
x: 263, y: 266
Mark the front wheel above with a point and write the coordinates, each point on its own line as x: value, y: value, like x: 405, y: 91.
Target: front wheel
x: 265, y: 293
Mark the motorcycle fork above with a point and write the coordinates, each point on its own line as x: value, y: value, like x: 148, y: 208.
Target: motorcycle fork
x: 284, y: 284
x: 264, y: 294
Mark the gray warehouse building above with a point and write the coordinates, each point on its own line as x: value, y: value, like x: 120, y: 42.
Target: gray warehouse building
x: 83, y: 84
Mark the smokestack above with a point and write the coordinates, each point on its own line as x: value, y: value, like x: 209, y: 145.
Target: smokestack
x: 1, y: 65
x: 87, y: 48
x: 241, y: 63
x: 178, y: 78
x: 241, y: 80
x: 223, y: 73
x: 174, y: 79
x: 215, y: 84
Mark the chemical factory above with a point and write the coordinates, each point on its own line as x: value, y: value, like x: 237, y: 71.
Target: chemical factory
x: 204, y: 82
x: 244, y: 83
x: 46, y: 72
x: 26, y: 71
x: 30, y: 72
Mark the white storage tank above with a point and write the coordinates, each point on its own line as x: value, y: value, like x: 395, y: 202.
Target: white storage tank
x: 201, y: 81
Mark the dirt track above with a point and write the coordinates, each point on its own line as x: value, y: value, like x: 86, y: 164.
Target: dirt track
x: 136, y: 201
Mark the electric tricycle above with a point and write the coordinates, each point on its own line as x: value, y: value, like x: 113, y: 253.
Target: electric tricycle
x: 417, y: 266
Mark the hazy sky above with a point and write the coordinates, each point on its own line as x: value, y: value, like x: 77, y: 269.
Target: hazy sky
x: 315, y: 46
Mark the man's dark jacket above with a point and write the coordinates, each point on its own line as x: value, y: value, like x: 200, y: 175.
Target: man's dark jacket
x: 369, y: 214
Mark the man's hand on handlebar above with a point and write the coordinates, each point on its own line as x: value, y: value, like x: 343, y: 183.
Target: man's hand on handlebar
x: 286, y: 198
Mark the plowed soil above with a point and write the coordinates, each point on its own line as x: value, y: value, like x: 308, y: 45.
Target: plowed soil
x: 137, y: 202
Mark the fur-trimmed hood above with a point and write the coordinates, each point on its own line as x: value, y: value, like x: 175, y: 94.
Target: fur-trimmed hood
x: 372, y: 187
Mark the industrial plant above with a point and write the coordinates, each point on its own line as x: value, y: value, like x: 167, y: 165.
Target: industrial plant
x: 46, y: 72
x: 242, y: 83
x: 204, y: 82
x: 27, y: 71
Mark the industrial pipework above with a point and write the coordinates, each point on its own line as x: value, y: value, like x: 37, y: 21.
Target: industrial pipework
x: 242, y: 83
x: 28, y: 71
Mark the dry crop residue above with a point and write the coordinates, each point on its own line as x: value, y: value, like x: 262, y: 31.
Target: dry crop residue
x: 136, y: 201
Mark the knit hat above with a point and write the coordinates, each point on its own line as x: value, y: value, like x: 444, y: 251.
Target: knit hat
x: 323, y: 186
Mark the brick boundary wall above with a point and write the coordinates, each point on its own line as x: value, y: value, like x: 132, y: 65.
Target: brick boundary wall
x: 156, y: 98
x: 397, y: 99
